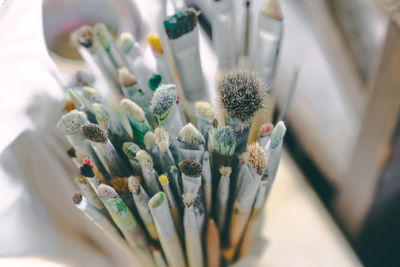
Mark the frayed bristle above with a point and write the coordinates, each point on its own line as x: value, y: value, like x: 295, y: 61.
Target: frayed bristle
x: 77, y: 198
x: 156, y: 200
x: 180, y: 23
x: 132, y: 109
x: 257, y: 157
x: 126, y: 78
x: 154, y: 42
x: 86, y: 170
x: 161, y: 138
x: 106, y: 191
x: 225, y: 171
x: 224, y: 140
x: 277, y: 134
x: 163, y: 99
x: 84, y: 36
x: 214, y: 123
x: 94, y: 133
x: 130, y: 149
x: 72, y: 121
x: 120, y: 185
x: 102, y: 114
x: 266, y: 129
x: 80, y: 180
x: 149, y: 139
x: 204, y: 110
x: 190, y: 167
x: 241, y: 94
x: 134, y: 185
x: 126, y: 42
x: 190, y: 135
x: 163, y: 179
x: 71, y: 152
x: 189, y: 199
x: 89, y: 92
x: 145, y: 160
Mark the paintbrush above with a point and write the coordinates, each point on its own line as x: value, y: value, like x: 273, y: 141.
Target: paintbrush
x: 153, y: 150
x: 141, y: 199
x: 213, y: 246
x: 166, y: 230
x: 207, y: 182
x: 149, y: 174
x: 222, y: 197
x: 265, y: 134
x: 204, y: 115
x: 71, y: 153
x: 81, y: 105
x: 89, y: 192
x: 190, y: 143
x: 161, y: 60
x: 125, y: 221
x: 161, y: 138
x: 130, y: 150
x: 243, y: 60
x: 275, y: 149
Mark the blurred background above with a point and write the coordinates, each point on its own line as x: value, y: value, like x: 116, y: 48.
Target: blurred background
x: 343, y: 122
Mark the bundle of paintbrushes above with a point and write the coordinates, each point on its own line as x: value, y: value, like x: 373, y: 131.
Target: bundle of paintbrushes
x: 177, y: 191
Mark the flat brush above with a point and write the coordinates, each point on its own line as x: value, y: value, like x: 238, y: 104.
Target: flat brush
x: 125, y: 221
x: 190, y: 143
x: 166, y: 230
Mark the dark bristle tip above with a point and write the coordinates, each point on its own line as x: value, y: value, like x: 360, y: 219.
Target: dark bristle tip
x: 215, y: 123
x: 190, y: 167
x: 86, y: 171
x: 71, y: 152
x: 94, y: 133
x: 180, y: 23
x: 77, y: 198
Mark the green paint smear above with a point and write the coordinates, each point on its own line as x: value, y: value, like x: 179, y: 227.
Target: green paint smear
x: 155, y: 81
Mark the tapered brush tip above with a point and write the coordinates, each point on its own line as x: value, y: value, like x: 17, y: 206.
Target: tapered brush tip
x: 204, y: 110
x: 190, y: 167
x: 130, y: 149
x: 134, y: 185
x: 161, y: 137
x: 71, y: 152
x: 102, y: 114
x: 149, y: 139
x: 163, y: 179
x: 266, y: 129
x: 126, y: 42
x: 106, y: 191
x: 225, y: 171
x: 277, y: 134
x: 190, y: 135
x: 163, y: 99
x: 154, y: 42
x: 72, y: 121
x: 84, y: 36
x: 241, y: 94
x: 86, y: 170
x: 94, y: 133
x: 156, y: 200
x: 257, y: 157
x: 145, y: 160
x: 77, y: 198
x: 133, y: 110
x: 126, y: 78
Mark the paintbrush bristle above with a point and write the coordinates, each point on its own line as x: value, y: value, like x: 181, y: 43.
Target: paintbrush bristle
x: 72, y: 121
x: 266, y: 129
x: 89, y: 92
x: 77, y: 198
x: 130, y: 149
x: 189, y: 199
x: 126, y: 78
x: 163, y: 179
x: 156, y: 200
x: 224, y: 141
x: 257, y: 157
x: 102, y: 114
x: 86, y: 170
x: 190, y: 167
x: 84, y: 36
x: 163, y: 99
x: 180, y: 23
x: 214, y: 123
x: 190, y: 135
x: 145, y: 160
x: 149, y: 139
x: 94, y: 133
x: 241, y: 94
x: 83, y: 78
x: 277, y: 134
x: 204, y: 110
x: 126, y: 42
x: 120, y: 185
x: 154, y: 42
x: 132, y: 109
x: 134, y: 185
x: 161, y: 138
x: 71, y: 152
x: 106, y: 191
x: 225, y: 171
